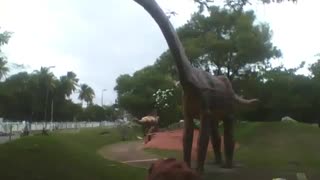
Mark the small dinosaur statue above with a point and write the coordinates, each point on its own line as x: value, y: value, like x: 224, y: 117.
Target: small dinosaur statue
x: 150, y: 125
x: 205, y: 97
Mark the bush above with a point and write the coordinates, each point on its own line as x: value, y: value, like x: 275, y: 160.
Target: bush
x: 167, y: 106
x: 125, y: 128
x: 174, y: 126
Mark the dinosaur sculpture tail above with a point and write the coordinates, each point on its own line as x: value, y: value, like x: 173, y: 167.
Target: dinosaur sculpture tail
x: 241, y: 100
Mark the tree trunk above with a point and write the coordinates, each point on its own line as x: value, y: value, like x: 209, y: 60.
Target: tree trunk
x: 51, y: 113
x: 229, y: 67
x: 218, y: 70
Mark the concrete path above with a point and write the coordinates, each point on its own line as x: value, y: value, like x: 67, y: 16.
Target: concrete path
x: 131, y: 153
x: 4, y: 139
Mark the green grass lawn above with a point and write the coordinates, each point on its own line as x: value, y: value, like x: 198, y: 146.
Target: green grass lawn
x: 286, y: 146
x: 64, y: 156
x: 266, y: 148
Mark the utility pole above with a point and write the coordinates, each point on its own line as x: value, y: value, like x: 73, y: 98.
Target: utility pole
x: 51, y: 114
x: 103, y: 90
x: 45, y: 111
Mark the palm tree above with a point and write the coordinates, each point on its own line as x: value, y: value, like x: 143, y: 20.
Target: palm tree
x: 69, y: 83
x: 86, y: 94
x: 3, y: 68
x: 4, y: 38
x: 46, y: 81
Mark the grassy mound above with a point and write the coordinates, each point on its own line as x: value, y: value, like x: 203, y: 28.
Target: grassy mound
x: 286, y: 146
x: 272, y: 149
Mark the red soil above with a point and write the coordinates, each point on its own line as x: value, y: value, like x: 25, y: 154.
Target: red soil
x: 172, y: 140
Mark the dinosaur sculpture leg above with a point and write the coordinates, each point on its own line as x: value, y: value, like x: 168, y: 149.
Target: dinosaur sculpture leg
x: 187, y: 138
x: 149, y: 134
x: 216, y: 141
x: 203, y: 141
x: 145, y: 129
x: 228, y: 140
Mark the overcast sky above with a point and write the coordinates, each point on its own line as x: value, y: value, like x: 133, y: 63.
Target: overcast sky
x: 99, y: 40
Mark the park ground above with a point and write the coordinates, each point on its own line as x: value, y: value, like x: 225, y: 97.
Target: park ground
x: 267, y: 150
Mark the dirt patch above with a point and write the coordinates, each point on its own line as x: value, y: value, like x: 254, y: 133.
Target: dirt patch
x: 132, y: 152
x: 172, y: 140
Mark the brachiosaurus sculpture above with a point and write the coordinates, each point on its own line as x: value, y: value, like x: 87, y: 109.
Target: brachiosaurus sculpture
x: 205, y: 97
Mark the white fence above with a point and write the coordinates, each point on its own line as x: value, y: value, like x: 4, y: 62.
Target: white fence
x: 19, y: 126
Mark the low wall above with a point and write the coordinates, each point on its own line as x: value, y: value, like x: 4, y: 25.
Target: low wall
x: 19, y: 126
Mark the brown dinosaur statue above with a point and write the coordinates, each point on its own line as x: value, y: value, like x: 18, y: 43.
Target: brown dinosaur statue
x: 205, y: 97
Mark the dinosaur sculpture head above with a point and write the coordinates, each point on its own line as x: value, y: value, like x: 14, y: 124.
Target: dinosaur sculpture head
x: 171, y: 169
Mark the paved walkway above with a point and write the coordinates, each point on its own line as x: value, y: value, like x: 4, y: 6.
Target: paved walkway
x: 131, y: 153
x: 4, y: 139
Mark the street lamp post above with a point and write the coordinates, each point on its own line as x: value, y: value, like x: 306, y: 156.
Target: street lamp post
x: 51, y: 102
x: 51, y: 113
x: 103, y: 90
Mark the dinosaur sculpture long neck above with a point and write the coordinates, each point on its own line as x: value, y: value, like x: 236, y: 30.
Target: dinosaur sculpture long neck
x: 171, y: 36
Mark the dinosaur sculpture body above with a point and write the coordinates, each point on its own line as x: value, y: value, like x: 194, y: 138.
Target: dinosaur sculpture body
x: 205, y: 97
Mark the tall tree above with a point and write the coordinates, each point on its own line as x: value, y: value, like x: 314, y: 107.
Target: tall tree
x: 18, y: 95
x: 135, y: 93
x: 315, y: 72
x: 86, y: 94
x: 24, y: 96
x: 47, y: 84
x: 227, y: 42
x: 69, y: 83
x: 235, y: 4
x: 315, y: 69
x: 4, y: 39
x: 3, y: 68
